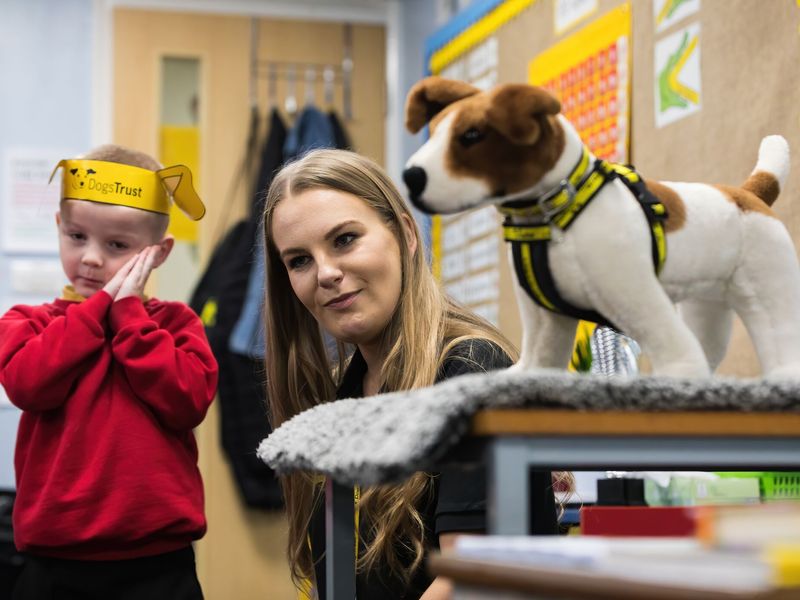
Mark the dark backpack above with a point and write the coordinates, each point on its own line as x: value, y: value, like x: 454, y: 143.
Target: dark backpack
x: 218, y: 299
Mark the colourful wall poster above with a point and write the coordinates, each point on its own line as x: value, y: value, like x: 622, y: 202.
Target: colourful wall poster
x: 40, y: 276
x: 28, y: 204
x: 668, y: 12
x: 677, y: 76
x: 589, y: 72
x: 439, y: 58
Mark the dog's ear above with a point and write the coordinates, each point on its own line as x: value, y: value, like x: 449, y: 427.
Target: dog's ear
x: 520, y: 112
x: 430, y: 96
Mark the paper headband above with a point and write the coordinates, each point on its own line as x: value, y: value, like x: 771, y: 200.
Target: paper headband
x: 124, y: 185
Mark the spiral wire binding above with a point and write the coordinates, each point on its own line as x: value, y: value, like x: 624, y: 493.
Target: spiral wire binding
x: 613, y: 353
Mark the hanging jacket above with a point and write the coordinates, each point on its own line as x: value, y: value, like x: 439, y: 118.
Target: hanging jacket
x: 314, y: 129
x: 339, y: 132
x: 219, y: 298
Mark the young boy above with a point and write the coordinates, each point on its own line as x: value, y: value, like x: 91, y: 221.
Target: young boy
x: 111, y: 384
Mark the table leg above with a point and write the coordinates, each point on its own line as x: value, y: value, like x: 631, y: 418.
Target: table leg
x: 340, y: 558
x: 508, y: 487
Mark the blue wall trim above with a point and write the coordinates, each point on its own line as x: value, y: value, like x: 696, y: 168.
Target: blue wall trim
x: 474, y: 12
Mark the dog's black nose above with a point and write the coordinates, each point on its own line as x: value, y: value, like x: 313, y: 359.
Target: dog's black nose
x: 415, y: 179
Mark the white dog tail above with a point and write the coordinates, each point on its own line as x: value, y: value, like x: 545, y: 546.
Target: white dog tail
x: 768, y: 178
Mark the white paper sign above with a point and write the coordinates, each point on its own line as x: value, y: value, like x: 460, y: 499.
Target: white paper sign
x: 4, y: 401
x: 455, y: 290
x: 484, y: 253
x: 454, y: 264
x: 29, y: 204
x: 37, y: 277
x: 486, y: 82
x: 569, y: 12
x: 677, y: 75
x: 456, y: 70
x: 669, y: 12
x: 490, y: 312
x: 482, y: 221
x: 481, y: 287
x: 454, y: 234
x: 482, y: 59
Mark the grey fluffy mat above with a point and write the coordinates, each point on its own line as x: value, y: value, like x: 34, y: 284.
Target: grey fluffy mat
x: 382, y: 438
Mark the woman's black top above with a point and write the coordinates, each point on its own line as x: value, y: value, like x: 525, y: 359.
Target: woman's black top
x: 458, y: 499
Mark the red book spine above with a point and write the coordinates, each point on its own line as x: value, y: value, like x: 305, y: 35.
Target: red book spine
x: 634, y: 521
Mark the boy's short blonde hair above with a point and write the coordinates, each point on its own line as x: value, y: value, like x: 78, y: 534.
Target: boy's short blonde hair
x: 135, y: 158
x: 124, y: 156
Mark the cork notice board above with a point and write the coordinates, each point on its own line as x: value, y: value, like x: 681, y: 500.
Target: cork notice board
x: 739, y: 63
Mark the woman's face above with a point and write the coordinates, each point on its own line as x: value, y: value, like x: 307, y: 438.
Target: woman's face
x: 343, y: 261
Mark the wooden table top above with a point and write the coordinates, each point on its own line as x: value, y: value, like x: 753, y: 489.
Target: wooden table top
x: 633, y: 423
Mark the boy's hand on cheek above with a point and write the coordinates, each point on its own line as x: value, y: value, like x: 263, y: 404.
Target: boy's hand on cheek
x: 113, y: 285
x: 135, y: 280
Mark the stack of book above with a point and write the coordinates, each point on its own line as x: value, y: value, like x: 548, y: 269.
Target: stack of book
x: 677, y: 562
x: 747, y: 550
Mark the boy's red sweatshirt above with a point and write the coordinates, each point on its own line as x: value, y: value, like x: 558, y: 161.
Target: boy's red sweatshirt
x: 106, y: 461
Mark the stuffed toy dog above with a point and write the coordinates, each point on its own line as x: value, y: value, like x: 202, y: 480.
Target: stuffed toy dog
x: 592, y: 240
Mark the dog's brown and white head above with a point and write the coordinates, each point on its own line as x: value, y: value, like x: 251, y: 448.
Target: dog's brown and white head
x: 483, y: 146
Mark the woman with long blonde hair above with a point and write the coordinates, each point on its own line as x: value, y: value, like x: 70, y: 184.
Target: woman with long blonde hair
x: 343, y: 256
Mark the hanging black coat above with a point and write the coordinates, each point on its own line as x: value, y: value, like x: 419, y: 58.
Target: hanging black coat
x: 218, y: 299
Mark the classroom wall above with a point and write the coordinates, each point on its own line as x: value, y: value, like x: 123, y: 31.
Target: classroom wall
x: 45, y: 105
x: 750, y: 52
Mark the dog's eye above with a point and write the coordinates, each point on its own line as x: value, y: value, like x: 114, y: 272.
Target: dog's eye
x: 471, y: 136
x: 74, y: 171
x: 90, y: 172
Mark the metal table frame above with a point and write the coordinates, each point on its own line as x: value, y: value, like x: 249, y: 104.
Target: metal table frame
x: 510, y: 459
x: 517, y: 441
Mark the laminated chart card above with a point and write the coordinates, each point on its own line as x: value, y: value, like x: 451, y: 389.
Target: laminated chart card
x: 677, y: 75
x: 668, y: 12
x: 589, y: 72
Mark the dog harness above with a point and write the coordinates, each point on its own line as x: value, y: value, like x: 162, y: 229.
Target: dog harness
x: 557, y: 210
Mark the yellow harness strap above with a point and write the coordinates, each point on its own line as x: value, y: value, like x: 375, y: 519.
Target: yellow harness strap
x: 558, y: 209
